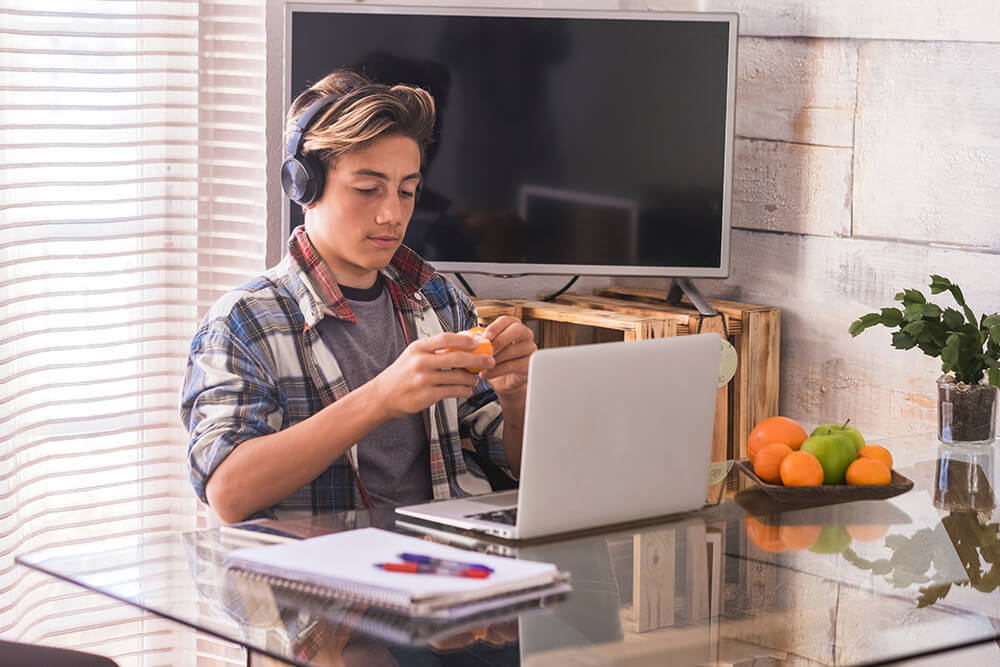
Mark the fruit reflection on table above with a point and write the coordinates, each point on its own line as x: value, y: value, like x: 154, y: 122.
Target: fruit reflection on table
x: 827, y: 539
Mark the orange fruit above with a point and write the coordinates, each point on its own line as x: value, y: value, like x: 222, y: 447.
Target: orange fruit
x: 799, y: 537
x: 775, y: 429
x: 865, y: 471
x: 801, y: 469
x: 484, y: 346
x: 768, y: 460
x: 765, y: 536
x: 878, y: 453
x: 867, y: 533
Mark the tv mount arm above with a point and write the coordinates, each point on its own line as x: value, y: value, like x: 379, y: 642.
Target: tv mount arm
x: 685, y: 286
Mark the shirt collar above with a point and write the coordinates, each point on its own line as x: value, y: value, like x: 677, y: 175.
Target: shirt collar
x: 406, y: 268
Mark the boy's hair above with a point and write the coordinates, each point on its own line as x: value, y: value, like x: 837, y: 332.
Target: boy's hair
x: 365, y: 112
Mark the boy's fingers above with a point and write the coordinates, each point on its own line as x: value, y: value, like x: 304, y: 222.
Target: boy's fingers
x: 499, y: 325
x: 459, y: 359
x: 516, y: 350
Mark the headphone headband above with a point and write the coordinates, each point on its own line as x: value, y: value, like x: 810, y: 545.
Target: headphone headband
x: 305, y: 121
x: 303, y: 175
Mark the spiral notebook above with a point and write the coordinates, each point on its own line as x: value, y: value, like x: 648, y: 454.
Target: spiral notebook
x: 386, y: 625
x: 344, y: 566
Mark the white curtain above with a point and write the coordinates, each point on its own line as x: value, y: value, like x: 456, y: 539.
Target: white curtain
x: 131, y: 197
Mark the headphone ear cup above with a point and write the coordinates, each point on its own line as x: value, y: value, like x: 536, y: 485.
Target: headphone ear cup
x: 315, y: 172
x: 303, y: 178
x: 293, y: 179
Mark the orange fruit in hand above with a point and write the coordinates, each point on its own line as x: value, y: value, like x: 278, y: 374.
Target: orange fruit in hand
x: 865, y: 471
x: 765, y: 536
x: 878, y: 453
x: 801, y: 469
x: 775, y: 429
x: 768, y: 461
x: 484, y: 346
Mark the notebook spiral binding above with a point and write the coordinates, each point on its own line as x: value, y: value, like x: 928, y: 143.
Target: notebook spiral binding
x: 347, y: 592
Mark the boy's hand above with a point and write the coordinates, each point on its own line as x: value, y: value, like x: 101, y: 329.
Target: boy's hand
x: 425, y: 373
x: 513, y: 345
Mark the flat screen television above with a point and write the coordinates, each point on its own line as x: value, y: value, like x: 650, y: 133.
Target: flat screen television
x: 567, y: 142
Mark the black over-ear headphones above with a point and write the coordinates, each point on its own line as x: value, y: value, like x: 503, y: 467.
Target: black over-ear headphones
x: 303, y: 174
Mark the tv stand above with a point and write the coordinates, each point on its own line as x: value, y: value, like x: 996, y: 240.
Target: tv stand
x: 636, y: 313
x: 681, y: 286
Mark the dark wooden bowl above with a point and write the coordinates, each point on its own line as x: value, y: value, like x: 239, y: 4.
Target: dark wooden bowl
x: 827, y: 495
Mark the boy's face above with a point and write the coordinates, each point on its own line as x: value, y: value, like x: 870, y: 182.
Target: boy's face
x: 359, y: 222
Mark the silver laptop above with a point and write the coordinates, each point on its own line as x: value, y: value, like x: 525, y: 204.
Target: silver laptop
x: 613, y: 432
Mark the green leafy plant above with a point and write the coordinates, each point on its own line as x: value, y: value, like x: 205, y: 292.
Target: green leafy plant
x: 969, y: 348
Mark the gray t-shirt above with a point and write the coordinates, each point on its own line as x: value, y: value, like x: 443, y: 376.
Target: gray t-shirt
x: 394, y: 459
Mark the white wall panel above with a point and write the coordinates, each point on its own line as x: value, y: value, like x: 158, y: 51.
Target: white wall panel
x: 801, y: 90
x: 792, y: 188
x: 928, y: 143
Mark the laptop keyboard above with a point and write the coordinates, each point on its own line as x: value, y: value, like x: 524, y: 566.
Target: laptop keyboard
x: 507, y: 516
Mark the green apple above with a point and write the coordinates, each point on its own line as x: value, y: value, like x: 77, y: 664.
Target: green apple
x: 831, y: 540
x: 855, y: 434
x: 835, y: 452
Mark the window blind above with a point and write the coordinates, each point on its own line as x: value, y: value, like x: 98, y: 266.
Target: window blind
x: 131, y: 197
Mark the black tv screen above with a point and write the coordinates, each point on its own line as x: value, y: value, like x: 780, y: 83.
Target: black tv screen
x: 592, y: 143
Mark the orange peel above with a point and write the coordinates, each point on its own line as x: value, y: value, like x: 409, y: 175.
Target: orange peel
x: 483, y: 346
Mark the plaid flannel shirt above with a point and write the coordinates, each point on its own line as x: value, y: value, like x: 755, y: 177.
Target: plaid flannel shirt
x: 257, y: 365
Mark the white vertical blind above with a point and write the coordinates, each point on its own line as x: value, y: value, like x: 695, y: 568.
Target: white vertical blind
x: 131, y: 196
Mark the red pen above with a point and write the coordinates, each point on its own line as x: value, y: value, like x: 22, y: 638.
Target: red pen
x: 421, y: 568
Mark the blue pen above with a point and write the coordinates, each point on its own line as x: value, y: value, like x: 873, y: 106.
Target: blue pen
x: 442, y: 562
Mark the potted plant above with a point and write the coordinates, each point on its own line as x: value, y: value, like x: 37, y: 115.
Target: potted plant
x: 969, y: 349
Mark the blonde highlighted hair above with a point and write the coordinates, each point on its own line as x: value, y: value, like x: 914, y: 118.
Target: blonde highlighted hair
x: 365, y: 112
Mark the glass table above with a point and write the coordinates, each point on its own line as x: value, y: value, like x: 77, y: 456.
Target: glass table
x: 743, y: 579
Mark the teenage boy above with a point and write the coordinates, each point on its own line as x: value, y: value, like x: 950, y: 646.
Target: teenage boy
x: 337, y: 379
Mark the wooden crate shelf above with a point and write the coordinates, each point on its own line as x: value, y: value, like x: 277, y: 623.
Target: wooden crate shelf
x: 629, y: 313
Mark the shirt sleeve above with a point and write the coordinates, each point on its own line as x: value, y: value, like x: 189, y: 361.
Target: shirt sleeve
x: 480, y: 419
x: 228, y: 396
